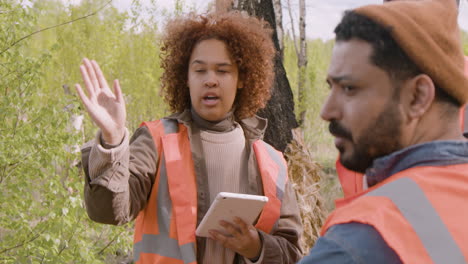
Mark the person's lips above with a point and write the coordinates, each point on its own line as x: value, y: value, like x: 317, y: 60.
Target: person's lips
x: 210, y: 99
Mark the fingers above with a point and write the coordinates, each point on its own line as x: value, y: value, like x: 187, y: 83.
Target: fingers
x: 232, y: 229
x: 82, y: 95
x: 92, y: 74
x: 242, y: 225
x: 244, y: 238
x: 99, y: 75
x: 118, y: 92
x: 94, y: 79
x: 216, y: 235
x: 87, y: 81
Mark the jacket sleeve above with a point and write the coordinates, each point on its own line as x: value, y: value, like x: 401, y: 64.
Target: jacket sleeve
x: 282, y: 245
x: 118, y: 180
x: 351, y: 243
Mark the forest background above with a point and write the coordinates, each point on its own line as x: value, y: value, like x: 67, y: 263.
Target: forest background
x: 43, y: 124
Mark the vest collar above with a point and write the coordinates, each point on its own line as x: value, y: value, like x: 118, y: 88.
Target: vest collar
x: 435, y: 153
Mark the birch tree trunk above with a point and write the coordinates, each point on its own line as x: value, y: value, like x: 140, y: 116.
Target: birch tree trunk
x: 279, y: 24
x: 302, y: 62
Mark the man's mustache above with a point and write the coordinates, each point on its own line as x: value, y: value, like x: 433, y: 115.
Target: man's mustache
x: 339, y: 131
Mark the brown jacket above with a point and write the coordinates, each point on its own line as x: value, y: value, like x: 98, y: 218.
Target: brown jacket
x: 119, y: 180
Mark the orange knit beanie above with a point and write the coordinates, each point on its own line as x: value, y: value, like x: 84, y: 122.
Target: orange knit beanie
x: 427, y: 30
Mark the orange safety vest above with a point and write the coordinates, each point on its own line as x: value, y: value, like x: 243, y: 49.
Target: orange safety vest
x: 351, y: 181
x: 165, y: 229
x: 419, y: 212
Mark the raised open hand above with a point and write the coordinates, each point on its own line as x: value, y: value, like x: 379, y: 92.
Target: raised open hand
x: 105, y: 108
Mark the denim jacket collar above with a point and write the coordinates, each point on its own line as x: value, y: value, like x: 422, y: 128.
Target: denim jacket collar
x: 435, y: 153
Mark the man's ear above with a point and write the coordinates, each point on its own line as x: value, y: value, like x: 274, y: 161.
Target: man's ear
x: 417, y: 95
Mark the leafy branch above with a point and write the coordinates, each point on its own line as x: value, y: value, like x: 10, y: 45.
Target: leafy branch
x: 55, y: 26
x: 65, y: 246
x: 24, y: 242
x: 110, y: 243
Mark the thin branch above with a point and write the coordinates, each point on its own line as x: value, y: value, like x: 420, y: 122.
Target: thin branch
x: 5, y: 12
x: 98, y: 239
x: 47, y: 28
x: 110, y: 243
x: 70, y: 238
x: 24, y: 242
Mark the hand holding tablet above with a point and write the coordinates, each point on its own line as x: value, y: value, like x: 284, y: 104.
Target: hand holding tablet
x: 227, y: 206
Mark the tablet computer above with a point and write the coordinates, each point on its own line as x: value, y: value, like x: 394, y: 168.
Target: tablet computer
x: 227, y: 206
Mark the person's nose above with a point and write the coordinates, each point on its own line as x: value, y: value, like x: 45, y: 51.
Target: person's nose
x: 211, y: 80
x: 332, y: 108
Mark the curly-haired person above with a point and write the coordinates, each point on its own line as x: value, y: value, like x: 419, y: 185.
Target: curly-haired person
x: 218, y: 72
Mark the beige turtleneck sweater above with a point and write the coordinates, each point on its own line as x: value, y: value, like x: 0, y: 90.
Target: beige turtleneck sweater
x: 224, y: 177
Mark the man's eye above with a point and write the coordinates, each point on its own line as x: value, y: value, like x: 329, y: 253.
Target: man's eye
x: 348, y: 88
x: 200, y: 70
x: 222, y: 71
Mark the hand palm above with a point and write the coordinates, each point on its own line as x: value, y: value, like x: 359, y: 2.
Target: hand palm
x: 106, y: 109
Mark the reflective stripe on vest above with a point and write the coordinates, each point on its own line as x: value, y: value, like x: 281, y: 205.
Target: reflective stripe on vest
x: 413, y: 204
x: 174, y: 197
x: 274, y: 173
x: 162, y: 244
x: 162, y: 247
x: 418, y: 213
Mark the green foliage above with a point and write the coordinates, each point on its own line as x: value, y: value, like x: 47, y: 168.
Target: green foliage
x: 464, y: 37
x: 42, y: 216
x: 316, y: 90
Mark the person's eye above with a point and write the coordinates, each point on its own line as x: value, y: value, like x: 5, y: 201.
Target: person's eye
x: 349, y: 88
x: 222, y: 71
x: 200, y: 70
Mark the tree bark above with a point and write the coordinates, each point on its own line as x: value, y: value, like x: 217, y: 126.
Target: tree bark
x: 279, y: 25
x: 303, y: 171
x: 302, y: 62
x: 280, y: 109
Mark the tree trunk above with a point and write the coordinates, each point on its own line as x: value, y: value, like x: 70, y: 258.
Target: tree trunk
x: 279, y: 24
x: 304, y: 172
x: 302, y: 62
x: 280, y: 109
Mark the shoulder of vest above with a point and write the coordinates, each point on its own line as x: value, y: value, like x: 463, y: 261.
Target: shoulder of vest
x: 167, y: 124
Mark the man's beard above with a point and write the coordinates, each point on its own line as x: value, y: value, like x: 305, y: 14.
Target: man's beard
x: 379, y: 139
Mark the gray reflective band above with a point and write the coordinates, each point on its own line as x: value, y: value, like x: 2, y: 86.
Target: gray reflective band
x: 162, y: 244
x: 188, y: 252
x: 170, y: 126
x: 164, y: 203
x: 282, y: 174
x: 413, y: 204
